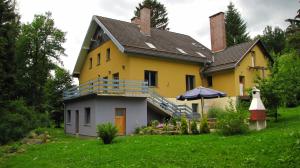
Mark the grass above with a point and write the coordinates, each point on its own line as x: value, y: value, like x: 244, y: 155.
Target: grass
x: 277, y: 146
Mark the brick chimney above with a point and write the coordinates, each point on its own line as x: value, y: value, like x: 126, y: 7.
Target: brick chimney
x: 217, y: 32
x: 136, y: 20
x: 143, y: 21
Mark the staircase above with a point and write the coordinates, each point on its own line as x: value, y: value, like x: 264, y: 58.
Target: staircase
x: 169, y: 107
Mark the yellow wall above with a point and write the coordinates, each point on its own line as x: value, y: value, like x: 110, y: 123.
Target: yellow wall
x: 228, y: 81
x: 224, y: 81
x: 170, y: 74
x: 251, y: 74
x: 115, y: 65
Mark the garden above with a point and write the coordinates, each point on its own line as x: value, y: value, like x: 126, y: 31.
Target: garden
x: 276, y: 146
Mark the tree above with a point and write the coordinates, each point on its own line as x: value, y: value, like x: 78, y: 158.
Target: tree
x: 235, y: 27
x: 282, y: 88
x: 273, y: 39
x: 293, y: 32
x: 39, y: 47
x: 159, y: 18
x: 9, y: 23
x: 53, y: 89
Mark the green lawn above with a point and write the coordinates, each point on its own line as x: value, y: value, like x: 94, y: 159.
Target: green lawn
x: 277, y: 146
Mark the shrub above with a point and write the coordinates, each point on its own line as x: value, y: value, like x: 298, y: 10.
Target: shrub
x: 148, y: 130
x: 138, y: 130
x: 154, y: 123
x: 39, y: 131
x: 107, y: 132
x: 183, y: 126
x: 194, y: 128
x: 214, y: 111
x: 16, y: 121
x: 204, y: 128
x: 232, y: 121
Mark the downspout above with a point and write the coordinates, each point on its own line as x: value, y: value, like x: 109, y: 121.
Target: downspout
x: 64, y: 117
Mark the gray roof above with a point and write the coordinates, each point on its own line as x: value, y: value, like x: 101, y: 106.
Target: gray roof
x: 228, y: 58
x: 128, y: 39
x: 166, y: 42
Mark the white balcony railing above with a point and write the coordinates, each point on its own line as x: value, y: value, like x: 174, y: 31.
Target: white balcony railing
x: 102, y: 86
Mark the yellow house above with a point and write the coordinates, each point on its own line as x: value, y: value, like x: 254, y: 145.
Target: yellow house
x: 116, y: 53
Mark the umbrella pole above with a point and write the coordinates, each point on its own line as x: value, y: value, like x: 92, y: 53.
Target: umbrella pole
x: 202, y: 104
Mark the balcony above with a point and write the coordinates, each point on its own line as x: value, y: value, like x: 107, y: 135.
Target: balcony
x: 108, y: 87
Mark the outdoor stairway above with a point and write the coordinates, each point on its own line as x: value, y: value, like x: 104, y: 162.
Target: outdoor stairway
x: 169, y: 107
x: 101, y: 86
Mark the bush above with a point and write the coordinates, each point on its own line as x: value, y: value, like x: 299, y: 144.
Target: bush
x: 184, y: 126
x: 107, y: 132
x: 194, y: 128
x: 214, y: 111
x: 204, y: 128
x: 148, y: 130
x: 233, y: 121
x: 138, y: 130
x: 16, y: 121
x: 154, y: 123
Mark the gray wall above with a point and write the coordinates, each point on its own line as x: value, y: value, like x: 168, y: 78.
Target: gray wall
x: 103, y: 110
x: 80, y: 105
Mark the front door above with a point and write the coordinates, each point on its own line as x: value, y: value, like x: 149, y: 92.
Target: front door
x: 242, y: 85
x: 120, y: 120
x: 77, y: 122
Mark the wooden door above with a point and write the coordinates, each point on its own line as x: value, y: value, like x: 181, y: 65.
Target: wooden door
x: 77, y: 122
x: 120, y: 120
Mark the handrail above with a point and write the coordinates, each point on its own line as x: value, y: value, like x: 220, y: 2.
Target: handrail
x: 107, y: 86
x: 126, y: 87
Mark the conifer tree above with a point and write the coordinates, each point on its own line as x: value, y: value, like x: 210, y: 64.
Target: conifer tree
x: 159, y: 15
x: 9, y: 22
x: 236, y: 28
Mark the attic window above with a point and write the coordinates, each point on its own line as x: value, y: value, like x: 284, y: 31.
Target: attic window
x: 199, y: 53
x: 150, y: 45
x: 181, y: 50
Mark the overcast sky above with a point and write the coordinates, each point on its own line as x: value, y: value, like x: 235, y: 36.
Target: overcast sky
x: 185, y: 16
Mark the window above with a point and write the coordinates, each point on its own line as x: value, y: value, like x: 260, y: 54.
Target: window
x: 209, y: 81
x: 108, y: 54
x: 151, y: 78
x: 150, y: 45
x: 98, y: 59
x: 116, y: 77
x: 91, y: 63
x: 253, y: 58
x: 190, y: 82
x: 195, y: 107
x: 87, y: 115
x: 202, y: 55
x: 181, y: 50
x: 69, y: 116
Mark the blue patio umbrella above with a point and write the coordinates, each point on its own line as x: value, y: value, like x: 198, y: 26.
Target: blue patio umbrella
x: 201, y: 93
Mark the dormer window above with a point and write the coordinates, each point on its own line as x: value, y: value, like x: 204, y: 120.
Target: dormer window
x: 181, y: 50
x: 150, y: 45
x: 199, y: 53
